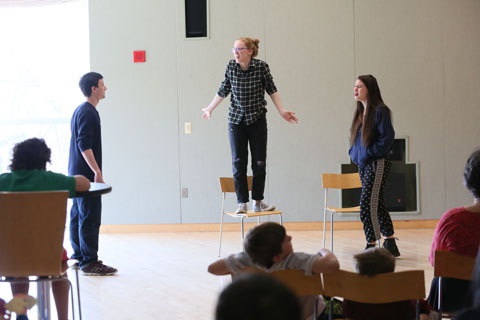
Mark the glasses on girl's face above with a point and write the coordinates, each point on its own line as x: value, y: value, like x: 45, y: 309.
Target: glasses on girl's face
x: 238, y: 50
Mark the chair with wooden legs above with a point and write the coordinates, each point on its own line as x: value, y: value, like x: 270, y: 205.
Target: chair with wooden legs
x: 338, y: 181
x: 382, y: 288
x: 227, y: 186
x: 32, y: 226
x: 451, y: 265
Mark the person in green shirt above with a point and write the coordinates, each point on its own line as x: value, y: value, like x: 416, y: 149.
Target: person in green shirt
x: 29, y: 173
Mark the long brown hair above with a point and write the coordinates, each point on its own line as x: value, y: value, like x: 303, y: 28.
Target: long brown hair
x: 374, y: 101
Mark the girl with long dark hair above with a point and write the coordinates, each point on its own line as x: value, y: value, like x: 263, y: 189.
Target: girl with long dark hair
x: 371, y: 141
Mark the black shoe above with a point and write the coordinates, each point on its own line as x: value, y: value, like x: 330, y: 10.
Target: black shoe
x: 391, y: 246
x: 369, y: 245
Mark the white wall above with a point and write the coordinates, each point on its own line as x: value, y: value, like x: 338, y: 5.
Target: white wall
x: 424, y: 54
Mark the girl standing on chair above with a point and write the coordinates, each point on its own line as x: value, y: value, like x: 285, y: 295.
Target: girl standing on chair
x: 371, y: 141
x: 247, y: 79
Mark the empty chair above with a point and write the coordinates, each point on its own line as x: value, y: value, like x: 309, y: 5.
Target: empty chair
x: 338, y: 181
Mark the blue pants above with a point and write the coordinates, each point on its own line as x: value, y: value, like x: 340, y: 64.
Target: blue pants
x: 241, y: 136
x: 85, y: 219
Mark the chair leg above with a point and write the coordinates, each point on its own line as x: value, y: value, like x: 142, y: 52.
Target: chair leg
x: 220, y: 240
x: 243, y: 236
x: 440, y: 296
x: 281, y: 220
x: 78, y: 293
x: 324, y: 225
x: 331, y: 230
x: 43, y: 300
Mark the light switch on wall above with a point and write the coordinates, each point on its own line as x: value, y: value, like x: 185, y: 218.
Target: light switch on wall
x: 188, y: 128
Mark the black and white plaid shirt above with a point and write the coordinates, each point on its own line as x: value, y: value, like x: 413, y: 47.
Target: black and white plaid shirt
x: 247, y: 102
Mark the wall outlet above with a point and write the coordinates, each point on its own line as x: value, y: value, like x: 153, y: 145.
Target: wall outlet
x: 184, y: 192
x: 188, y: 128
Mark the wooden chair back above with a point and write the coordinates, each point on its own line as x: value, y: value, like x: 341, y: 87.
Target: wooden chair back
x: 341, y: 181
x: 227, y: 184
x: 296, y: 280
x: 383, y: 288
x: 32, y: 225
x: 453, y: 265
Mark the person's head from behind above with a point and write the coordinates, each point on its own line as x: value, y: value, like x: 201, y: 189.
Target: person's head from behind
x: 92, y: 83
x: 30, y: 154
x: 268, y: 243
x: 374, y: 261
x: 257, y: 296
x: 471, y: 174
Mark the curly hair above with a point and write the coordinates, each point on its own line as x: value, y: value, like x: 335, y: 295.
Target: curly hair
x: 471, y: 174
x: 265, y: 242
x: 374, y: 261
x: 30, y: 154
x: 251, y: 44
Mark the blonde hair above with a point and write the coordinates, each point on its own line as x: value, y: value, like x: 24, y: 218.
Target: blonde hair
x: 250, y: 44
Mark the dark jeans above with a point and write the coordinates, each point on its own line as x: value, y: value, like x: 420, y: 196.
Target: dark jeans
x: 85, y: 218
x: 240, y: 136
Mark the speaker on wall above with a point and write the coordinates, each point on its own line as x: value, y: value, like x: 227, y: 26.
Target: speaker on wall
x: 196, y: 18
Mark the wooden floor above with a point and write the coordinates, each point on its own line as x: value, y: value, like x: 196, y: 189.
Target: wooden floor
x: 164, y: 275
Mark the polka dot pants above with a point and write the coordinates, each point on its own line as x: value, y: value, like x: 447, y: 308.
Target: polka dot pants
x: 373, y: 212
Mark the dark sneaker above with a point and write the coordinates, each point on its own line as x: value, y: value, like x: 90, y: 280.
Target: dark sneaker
x: 97, y: 268
x: 369, y: 245
x: 391, y: 246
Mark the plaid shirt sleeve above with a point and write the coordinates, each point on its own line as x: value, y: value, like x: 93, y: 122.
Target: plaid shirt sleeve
x: 226, y: 86
x: 269, y: 84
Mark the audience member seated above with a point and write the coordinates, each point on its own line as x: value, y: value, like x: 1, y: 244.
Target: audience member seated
x: 268, y: 247
x: 371, y: 262
x: 28, y: 173
x: 459, y: 231
x: 257, y: 297
x: 473, y: 313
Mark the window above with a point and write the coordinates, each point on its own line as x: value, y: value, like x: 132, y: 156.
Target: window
x: 44, y: 53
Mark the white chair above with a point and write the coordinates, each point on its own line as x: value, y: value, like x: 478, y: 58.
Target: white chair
x: 227, y: 186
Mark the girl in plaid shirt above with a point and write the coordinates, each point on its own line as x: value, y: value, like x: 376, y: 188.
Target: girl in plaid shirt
x: 247, y: 79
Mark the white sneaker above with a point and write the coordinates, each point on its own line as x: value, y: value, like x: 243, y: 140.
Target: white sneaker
x: 242, y: 208
x: 259, y: 206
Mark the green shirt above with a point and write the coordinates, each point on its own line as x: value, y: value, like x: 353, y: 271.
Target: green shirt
x: 37, y: 180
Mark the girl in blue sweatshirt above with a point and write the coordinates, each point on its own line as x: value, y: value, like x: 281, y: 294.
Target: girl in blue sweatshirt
x: 371, y: 141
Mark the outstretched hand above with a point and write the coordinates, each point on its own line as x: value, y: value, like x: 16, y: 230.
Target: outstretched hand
x: 207, y: 114
x: 289, y: 116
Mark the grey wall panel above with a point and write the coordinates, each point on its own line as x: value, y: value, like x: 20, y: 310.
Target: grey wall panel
x: 426, y: 70
x: 401, y: 44
x: 462, y: 106
x: 140, y: 113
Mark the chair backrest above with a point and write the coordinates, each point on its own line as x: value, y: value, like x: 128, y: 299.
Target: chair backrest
x: 341, y: 180
x: 453, y: 265
x: 227, y: 185
x: 296, y: 280
x: 383, y: 288
x: 32, y: 225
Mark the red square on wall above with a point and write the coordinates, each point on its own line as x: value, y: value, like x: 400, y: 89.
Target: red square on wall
x: 139, y: 56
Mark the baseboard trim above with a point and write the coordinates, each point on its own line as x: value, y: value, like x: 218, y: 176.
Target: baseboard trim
x: 234, y: 227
